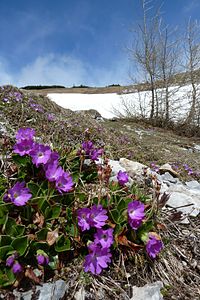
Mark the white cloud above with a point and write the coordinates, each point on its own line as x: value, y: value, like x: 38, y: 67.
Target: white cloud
x: 5, y: 76
x: 194, y: 4
x: 65, y: 70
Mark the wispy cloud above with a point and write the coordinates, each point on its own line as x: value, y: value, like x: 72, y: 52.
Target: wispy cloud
x: 194, y: 4
x: 64, y: 70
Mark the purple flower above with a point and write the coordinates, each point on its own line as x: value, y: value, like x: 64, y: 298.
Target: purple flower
x: 87, y: 147
x: 154, y: 245
x: 90, y: 151
x: 95, y: 153
x: 135, y: 214
x: 40, y: 154
x: 42, y: 259
x: 50, y: 117
x: 64, y: 183
x: 10, y: 261
x: 53, y: 159
x: 97, y: 259
x: 98, y: 216
x: 18, y: 194
x: 53, y: 172
x: 25, y: 134
x: 84, y: 218
x: 23, y: 147
x: 104, y: 237
x: 122, y: 177
x: 16, y: 268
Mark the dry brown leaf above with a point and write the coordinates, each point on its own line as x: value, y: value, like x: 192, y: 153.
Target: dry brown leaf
x: 38, y: 219
x: 52, y: 237
x: 31, y: 275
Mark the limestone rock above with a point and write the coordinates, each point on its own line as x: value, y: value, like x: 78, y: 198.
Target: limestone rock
x: 133, y: 168
x: 148, y: 292
x: 168, y: 168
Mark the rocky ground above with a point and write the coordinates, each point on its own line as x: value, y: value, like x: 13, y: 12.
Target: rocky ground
x: 179, y: 267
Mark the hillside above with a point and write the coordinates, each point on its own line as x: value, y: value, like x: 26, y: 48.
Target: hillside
x: 64, y: 130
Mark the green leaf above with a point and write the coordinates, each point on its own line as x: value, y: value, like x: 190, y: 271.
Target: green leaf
x: 26, y: 213
x: 34, y: 188
x: 20, y: 244
x: 117, y: 216
x: 19, y: 230
x: 7, y: 277
x: 52, y: 212
x: 5, y: 240
x: 121, y: 206
x: 3, y: 213
x: 72, y: 230
x: 9, y: 226
x: 4, y: 250
x: 39, y: 245
x: 42, y: 234
x: 62, y: 244
x: 21, y: 160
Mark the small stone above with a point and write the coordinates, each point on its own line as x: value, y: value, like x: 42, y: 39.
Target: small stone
x: 168, y: 168
x: 148, y: 292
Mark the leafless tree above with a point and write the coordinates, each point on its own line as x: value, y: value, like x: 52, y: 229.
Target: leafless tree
x: 144, y: 50
x: 192, y: 66
x: 168, y: 53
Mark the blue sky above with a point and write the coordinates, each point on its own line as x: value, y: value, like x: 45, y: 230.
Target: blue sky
x: 72, y: 42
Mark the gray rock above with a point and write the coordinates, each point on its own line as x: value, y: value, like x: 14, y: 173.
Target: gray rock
x: 193, y: 184
x: 197, y: 147
x: 185, y: 200
x: 168, y: 177
x: 116, y: 167
x: 148, y: 292
x: 80, y: 294
x: 47, y: 291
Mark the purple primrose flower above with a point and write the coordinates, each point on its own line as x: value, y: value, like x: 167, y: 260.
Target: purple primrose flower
x: 18, y: 194
x: 87, y: 146
x: 23, y: 147
x: 40, y: 154
x: 16, y: 268
x: 135, y: 214
x: 10, y: 261
x: 104, y: 237
x: 154, y: 245
x: 84, y: 218
x: 25, y: 134
x: 122, y: 177
x: 64, y: 183
x: 98, y: 216
x: 53, y: 171
x: 42, y: 260
x: 97, y: 259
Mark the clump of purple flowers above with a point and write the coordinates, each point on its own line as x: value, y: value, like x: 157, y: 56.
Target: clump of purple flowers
x: 122, y: 178
x: 94, y: 217
x: 154, y: 245
x: 135, y: 214
x: 18, y: 194
x: 99, y: 251
x: 97, y: 259
x: 188, y: 169
x: 13, y: 263
x: 43, y: 156
x: 89, y: 151
x: 154, y: 167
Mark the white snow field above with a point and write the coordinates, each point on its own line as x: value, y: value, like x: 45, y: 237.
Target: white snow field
x: 105, y: 104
